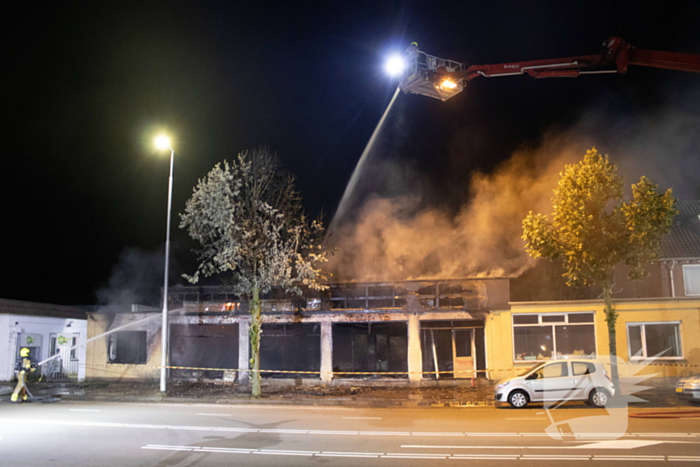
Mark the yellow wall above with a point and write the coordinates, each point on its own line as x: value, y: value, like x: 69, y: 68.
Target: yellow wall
x: 499, y: 340
x: 97, y: 365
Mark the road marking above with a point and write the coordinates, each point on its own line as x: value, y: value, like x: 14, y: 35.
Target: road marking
x: 216, y: 414
x: 362, y: 418
x: 83, y: 410
x: 523, y: 418
x: 590, y: 437
x: 415, y: 455
x: 616, y: 444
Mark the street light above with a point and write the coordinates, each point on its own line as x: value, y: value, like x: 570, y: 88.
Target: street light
x: 163, y: 142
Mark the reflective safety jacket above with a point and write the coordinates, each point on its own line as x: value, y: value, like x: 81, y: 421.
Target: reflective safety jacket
x: 24, y: 364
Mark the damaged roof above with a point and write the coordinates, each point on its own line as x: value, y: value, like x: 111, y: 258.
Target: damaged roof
x: 684, y: 239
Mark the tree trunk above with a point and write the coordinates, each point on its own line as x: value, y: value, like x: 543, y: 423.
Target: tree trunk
x: 611, y: 319
x: 255, y: 334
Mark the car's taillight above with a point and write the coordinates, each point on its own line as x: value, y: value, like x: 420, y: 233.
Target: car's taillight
x: 606, y: 375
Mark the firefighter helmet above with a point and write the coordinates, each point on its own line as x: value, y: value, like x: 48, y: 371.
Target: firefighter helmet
x: 24, y: 352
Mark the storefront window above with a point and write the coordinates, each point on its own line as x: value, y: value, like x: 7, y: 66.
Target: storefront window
x: 649, y: 340
x: 538, y: 337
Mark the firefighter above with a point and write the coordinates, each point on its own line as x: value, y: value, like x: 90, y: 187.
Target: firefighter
x: 23, y: 367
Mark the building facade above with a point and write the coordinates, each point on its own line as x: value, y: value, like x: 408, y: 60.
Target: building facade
x: 48, y: 331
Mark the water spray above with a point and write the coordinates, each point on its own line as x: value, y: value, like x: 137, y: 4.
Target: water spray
x: 109, y: 332
x: 350, y: 188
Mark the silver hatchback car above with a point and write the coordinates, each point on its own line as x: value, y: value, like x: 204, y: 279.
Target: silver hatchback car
x: 558, y: 380
x: 689, y: 388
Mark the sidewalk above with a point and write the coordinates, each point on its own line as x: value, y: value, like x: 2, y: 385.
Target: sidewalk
x: 342, y: 396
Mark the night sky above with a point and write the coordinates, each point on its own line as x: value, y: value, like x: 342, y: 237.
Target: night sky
x: 87, y: 85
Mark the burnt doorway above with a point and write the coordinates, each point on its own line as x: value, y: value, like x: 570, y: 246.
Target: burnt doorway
x: 205, y: 346
x: 291, y: 347
x: 452, y: 349
x: 370, y: 347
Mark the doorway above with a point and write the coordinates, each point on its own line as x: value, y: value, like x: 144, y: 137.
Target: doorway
x: 452, y: 349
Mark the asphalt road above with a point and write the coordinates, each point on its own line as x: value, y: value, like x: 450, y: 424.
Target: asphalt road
x: 115, y: 434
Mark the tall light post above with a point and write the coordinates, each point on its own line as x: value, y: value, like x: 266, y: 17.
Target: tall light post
x: 162, y: 143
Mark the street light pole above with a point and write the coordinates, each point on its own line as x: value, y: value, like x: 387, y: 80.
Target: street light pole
x: 163, y: 143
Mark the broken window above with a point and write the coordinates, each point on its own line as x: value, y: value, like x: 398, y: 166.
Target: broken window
x: 291, y: 347
x: 203, y: 346
x: 370, y: 347
x: 127, y: 347
x: 453, y: 349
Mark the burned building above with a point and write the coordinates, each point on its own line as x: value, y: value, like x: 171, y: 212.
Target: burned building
x: 409, y: 330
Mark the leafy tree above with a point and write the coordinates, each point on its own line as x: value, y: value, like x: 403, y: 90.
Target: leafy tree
x: 593, y: 229
x: 248, y: 218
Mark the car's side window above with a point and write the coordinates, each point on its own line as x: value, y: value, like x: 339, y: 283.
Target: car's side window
x: 583, y: 368
x: 555, y: 370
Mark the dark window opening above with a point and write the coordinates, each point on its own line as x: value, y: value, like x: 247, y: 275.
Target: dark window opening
x: 127, y: 347
x: 370, y: 347
x: 291, y: 347
x: 203, y: 347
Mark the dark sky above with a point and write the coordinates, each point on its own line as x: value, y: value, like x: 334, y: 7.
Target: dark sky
x: 86, y: 85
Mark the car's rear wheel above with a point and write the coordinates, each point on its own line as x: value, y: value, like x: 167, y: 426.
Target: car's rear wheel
x: 599, y: 397
x: 518, y: 399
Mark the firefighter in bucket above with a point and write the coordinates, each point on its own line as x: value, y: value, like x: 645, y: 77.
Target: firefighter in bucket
x: 23, y: 367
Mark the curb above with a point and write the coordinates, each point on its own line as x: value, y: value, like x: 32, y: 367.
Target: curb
x: 327, y: 402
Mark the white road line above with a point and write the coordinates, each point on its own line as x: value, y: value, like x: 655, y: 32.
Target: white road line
x: 583, y: 436
x: 289, y: 432
x: 83, y: 410
x: 522, y: 418
x: 166, y: 448
x: 415, y: 455
x: 373, y: 454
x: 216, y: 414
x: 362, y: 418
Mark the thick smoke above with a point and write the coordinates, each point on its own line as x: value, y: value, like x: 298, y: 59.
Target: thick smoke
x: 398, y: 237
x: 136, y: 279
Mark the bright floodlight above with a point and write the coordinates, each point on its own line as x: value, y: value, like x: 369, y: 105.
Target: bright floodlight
x: 395, y: 65
x: 163, y: 142
x: 449, y: 84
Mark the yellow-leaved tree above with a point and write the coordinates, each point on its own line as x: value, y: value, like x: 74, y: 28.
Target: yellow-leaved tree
x: 593, y: 229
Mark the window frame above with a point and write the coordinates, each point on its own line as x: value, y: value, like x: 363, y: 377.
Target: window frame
x: 644, y: 340
x: 552, y: 325
x: 113, y: 345
x: 685, y: 282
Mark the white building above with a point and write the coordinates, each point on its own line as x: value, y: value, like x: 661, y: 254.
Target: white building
x: 47, y: 330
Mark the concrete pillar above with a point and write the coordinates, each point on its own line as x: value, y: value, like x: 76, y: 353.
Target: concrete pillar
x: 243, y: 350
x: 415, y: 359
x: 326, y: 352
